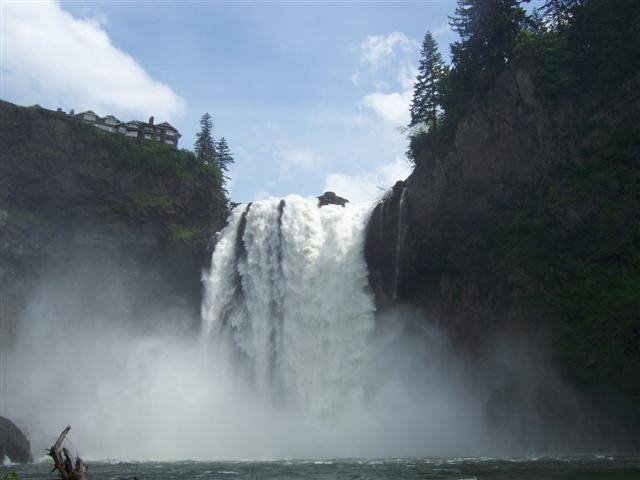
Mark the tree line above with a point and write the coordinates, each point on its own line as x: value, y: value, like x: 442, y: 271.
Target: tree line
x: 211, y: 152
x: 571, y: 45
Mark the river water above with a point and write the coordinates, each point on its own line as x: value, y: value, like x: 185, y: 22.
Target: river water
x: 583, y: 467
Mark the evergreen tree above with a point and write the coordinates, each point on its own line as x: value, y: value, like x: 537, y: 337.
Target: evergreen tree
x: 535, y: 23
x: 605, y: 35
x: 558, y: 13
x: 487, y: 29
x: 205, y: 147
x: 427, y: 89
x: 224, y: 158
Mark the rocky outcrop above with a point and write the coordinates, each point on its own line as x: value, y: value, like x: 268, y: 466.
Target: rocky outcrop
x: 501, y: 152
x: 384, y: 245
x: 75, y: 200
x: 13, y: 443
x: 520, y: 226
x: 330, y: 198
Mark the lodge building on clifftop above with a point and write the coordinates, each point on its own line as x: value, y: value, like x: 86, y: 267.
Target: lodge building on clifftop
x: 163, y: 133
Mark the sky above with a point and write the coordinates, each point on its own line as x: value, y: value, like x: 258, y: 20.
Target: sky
x: 311, y: 96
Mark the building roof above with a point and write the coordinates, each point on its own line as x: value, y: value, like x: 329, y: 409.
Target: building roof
x: 137, y: 125
x: 167, y: 125
x: 140, y: 125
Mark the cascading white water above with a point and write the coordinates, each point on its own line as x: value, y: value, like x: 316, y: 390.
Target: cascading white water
x: 400, y: 240
x: 288, y: 290
x: 287, y: 303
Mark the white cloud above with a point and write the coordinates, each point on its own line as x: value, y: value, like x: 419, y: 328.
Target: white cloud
x: 406, y: 76
x: 243, y: 155
x: 261, y: 195
x: 392, y: 107
x: 376, y: 50
x: 441, y: 29
x: 390, y: 173
x: 366, y: 187
x: 392, y: 73
x: 52, y: 58
x: 305, y: 159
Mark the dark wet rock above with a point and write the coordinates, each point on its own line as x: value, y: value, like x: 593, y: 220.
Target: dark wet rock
x: 13, y: 443
x: 384, y: 246
x: 489, y: 208
x: 330, y: 198
x: 70, y: 192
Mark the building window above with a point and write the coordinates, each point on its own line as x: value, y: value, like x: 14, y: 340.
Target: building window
x: 132, y: 134
x: 169, y: 133
x: 88, y: 116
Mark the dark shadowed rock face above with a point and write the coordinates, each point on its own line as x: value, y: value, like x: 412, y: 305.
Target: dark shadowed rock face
x: 74, y: 199
x: 384, y: 245
x: 527, y: 190
x: 13, y: 443
x: 330, y: 198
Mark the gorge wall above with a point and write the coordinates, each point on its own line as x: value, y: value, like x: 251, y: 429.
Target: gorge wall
x: 523, y: 227
x: 102, y: 210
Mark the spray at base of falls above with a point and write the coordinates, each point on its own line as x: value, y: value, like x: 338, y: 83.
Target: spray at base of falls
x: 289, y: 363
x: 288, y: 290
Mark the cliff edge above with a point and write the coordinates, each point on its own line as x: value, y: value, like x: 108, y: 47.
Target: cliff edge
x: 79, y: 202
x: 523, y: 226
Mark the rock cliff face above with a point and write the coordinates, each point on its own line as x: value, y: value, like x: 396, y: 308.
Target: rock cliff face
x: 13, y: 443
x: 502, y: 150
x: 524, y: 225
x: 76, y: 200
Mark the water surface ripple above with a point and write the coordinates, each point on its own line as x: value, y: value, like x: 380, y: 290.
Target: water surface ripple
x: 577, y: 467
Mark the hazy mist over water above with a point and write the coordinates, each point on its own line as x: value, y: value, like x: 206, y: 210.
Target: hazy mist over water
x: 601, y: 467
x: 152, y: 388
x: 159, y: 395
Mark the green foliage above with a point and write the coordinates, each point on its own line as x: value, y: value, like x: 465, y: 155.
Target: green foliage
x: 581, y: 243
x: 427, y: 90
x: 155, y: 159
x: 210, y: 152
x: 605, y: 37
x: 549, y: 53
x: 224, y: 158
x: 24, y: 218
x: 487, y: 30
x: 583, y: 43
x: 572, y: 45
x: 151, y: 198
x: 559, y: 13
x: 118, y: 179
x: 183, y: 233
x: 11, y: 476
x: 205, y: 147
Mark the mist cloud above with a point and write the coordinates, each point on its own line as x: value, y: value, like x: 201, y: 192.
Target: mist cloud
x: 52, y: 58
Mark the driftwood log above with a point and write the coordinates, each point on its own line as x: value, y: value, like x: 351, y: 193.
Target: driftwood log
x: 64, y: 463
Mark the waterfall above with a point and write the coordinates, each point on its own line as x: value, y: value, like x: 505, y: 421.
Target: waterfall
x: 400, y: 240
x: 288, y: 292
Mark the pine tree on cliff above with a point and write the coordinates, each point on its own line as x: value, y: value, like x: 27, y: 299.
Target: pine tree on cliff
x: 558, y: 13
x: 224, y: 158
x: 205, y: 147
x: 427, y: 89
x: 487, y: 29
